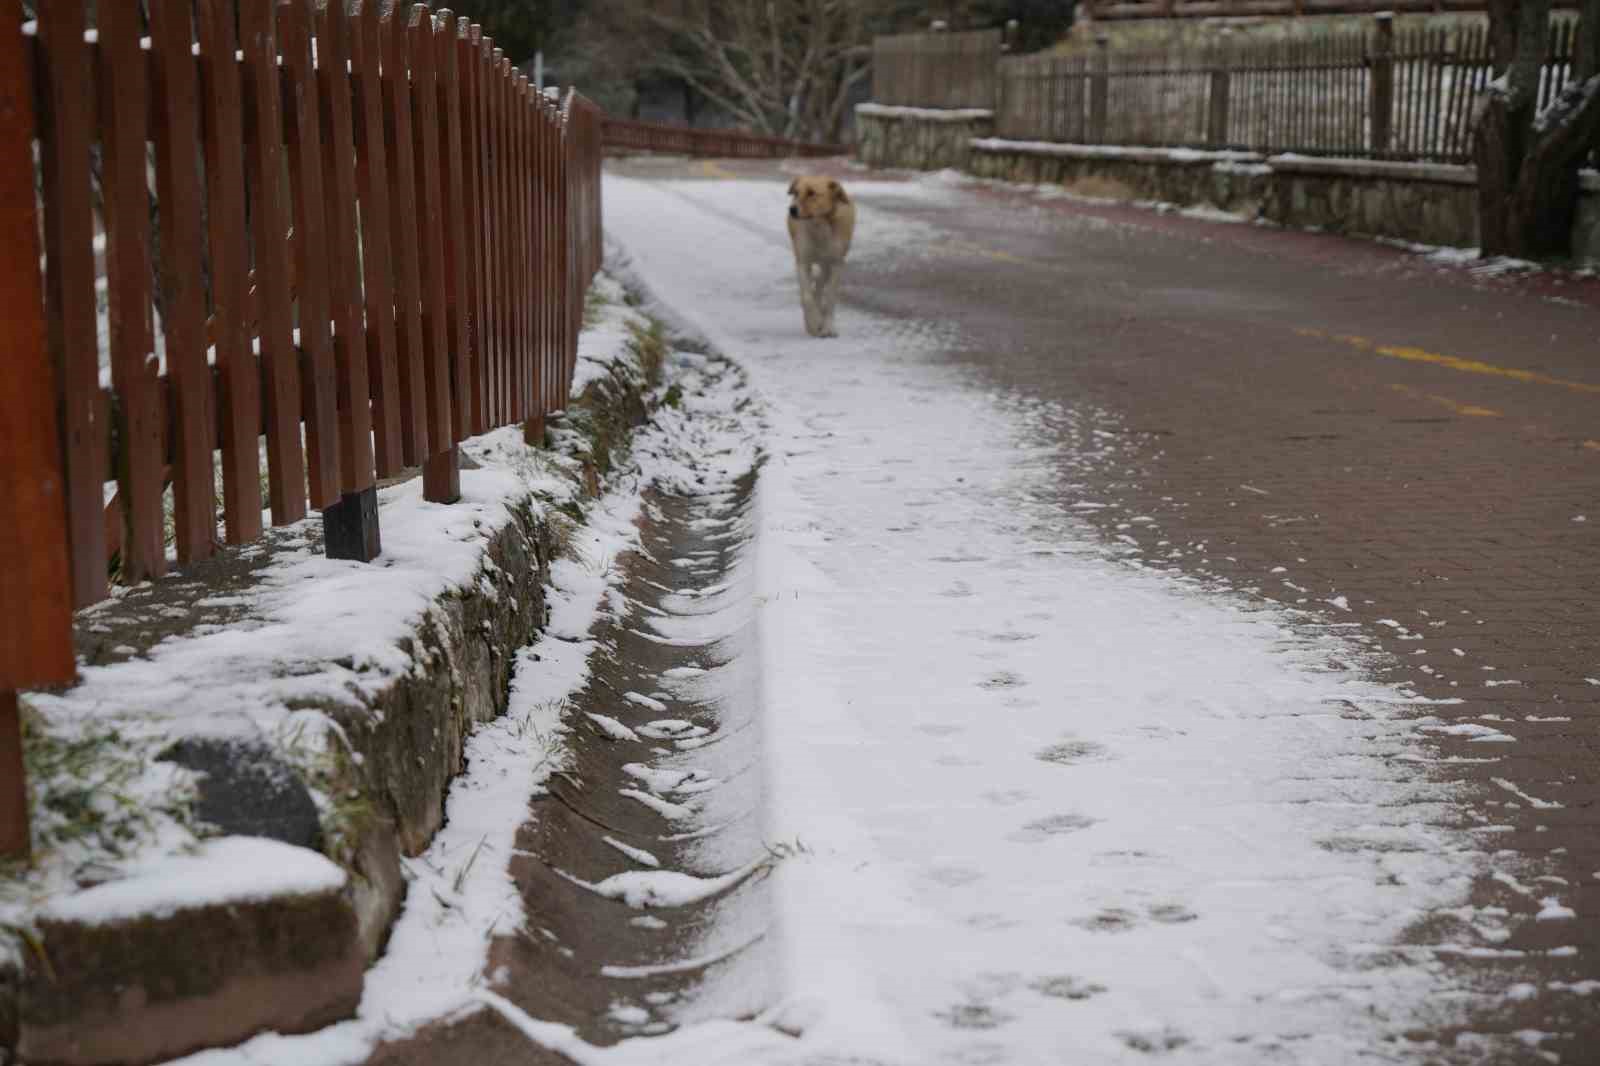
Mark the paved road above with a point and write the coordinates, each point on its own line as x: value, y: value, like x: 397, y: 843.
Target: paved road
x: 1406, y: 449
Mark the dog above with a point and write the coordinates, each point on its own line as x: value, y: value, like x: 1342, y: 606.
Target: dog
x: 822, y: 220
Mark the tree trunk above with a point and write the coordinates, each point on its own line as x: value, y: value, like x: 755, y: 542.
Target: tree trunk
x: 1527, y: 160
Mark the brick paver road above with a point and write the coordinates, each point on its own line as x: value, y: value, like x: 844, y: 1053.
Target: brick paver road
x: 1406, y: 448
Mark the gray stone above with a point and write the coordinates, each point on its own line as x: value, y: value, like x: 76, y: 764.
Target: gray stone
x: 245, y: 789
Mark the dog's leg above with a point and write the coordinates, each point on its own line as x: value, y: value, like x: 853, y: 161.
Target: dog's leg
x: 827, y: 298
x: 808, y: 296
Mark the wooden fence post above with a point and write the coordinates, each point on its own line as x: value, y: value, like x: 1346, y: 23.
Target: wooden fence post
x: 1382, y: 92
x: 1217, y: 118
x: 1099, y: 86
x: 35, y: 583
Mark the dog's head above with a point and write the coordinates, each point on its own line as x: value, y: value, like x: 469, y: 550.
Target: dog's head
x: 815, y: 197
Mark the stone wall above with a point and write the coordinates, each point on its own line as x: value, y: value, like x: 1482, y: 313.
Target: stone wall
x: 1422, y: 202
x: 1237, y: 182
x: 917, y: 138
x: 1427, y: 203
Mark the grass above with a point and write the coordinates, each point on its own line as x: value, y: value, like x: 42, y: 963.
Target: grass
x: 85, y: 788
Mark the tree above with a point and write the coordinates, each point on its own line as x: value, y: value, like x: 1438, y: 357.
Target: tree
x: 1528, y: 157
x: 520, y: 27
x: 783, y: 67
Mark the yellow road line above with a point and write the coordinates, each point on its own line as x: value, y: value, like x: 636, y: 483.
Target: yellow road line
x: 1452, y: 362
x: 1468, y: 409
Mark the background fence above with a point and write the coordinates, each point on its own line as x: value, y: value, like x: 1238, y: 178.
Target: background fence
x: 936, y: 69
x: 635, y: 136
x: 1370, y: 92
x: 337, y: 241
x: 1166, y: 9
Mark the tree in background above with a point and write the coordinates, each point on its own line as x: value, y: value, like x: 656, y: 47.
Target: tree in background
x: 1528, y: 157
x: 520, y: 27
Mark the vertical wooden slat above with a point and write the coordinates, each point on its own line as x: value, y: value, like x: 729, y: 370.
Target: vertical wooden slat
x: 503, y: 228
x: 525, y: 302
x: 344, y: 258
x: 403, y: 226
x: 482, y: 115
x: 429, y: 222
x: 548, y: 401
x: 140, y: 409
x: 280, y: 367
x: 238, y: 376
x: 36, y: 592
x: 458, y: 234
x: 514, y: 224
x: 320, y: 385
x: 178, y: 152
x: 373, y: 170
x: 64, y: 132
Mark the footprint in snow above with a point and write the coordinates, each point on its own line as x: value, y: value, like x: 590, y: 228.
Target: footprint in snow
x: 1154, y: 1041
x: 1053, y: 826
x: 972, y: 1016
x: 1110, y: 920
x: 1068, y: 752
x: 1065, y: 986
x: 1002, y: 679
x: 1172, y: 914
x: 954, y: 876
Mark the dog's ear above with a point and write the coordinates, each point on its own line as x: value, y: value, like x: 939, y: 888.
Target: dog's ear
x: 838, y: 191
x: 794, y: 186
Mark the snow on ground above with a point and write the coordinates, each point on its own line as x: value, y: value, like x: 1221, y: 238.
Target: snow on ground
x: 1040, y: 804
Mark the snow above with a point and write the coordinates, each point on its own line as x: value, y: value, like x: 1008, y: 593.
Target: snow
x: 928, y: 114
x: 1158, y: 823
x: 220, y: 872
x: 662, y: 888
x: 1109, y: 151
x: 460, y: 891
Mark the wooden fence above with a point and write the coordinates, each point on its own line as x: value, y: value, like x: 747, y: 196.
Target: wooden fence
x: 631, y: 135
x: 1370, y: 93
x: 342, y: 238
x: 936, y: 69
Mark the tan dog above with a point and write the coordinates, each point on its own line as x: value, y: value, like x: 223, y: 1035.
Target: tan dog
x: 821, y: 222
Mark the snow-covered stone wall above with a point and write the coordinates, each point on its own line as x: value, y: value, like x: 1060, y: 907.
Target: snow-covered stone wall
x: 918, y: 138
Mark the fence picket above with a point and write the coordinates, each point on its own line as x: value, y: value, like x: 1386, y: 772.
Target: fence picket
x: 264, y: 164
x: 457, y: 234
x: 404, y: 230
x: 65, y: 133
x: 373, y: 169
x: 429, y: 223
x: 139, y: 409
x: 175, y: 79
x: 334, y: 63
x: 319, y: 385
x: 238, y: 374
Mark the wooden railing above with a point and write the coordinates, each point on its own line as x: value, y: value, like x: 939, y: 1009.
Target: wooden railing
x: 341, y: 238
x: 631, y: 135
x: 1368, y: 93
x: 949, y: 70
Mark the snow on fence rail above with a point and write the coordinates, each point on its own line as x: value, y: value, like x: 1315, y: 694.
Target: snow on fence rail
x: 633, y: 135
x: 353, y: 237
x: 936, y: 69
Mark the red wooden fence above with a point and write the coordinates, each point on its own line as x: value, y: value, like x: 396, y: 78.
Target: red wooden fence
x: 365, y: 239
x: 631, y: 135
